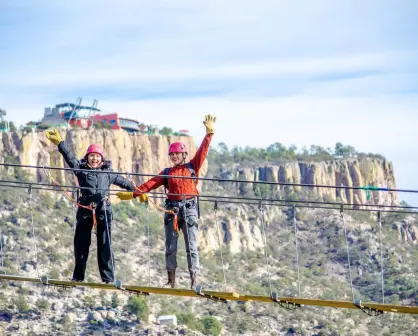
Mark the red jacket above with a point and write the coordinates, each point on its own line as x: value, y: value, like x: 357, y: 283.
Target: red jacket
x: 177, y: 185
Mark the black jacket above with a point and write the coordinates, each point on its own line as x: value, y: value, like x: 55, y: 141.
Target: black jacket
x: 95, y: 182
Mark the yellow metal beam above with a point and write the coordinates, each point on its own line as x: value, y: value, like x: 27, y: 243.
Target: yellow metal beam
x: 222, y: 295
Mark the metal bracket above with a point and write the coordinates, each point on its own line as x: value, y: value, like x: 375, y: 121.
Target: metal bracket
x: 118, y: 285
x: 199, y: 291
x: 45, y: 281
x: 367, y: 310
x: 284, y: 304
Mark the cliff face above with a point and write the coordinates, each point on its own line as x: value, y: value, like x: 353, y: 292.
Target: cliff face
x: 351, y: 172
x: 129, y: 153
x: 239, y: 228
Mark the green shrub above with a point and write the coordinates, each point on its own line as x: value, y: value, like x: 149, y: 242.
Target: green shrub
x: 138, y: 306
x: 211, y: 326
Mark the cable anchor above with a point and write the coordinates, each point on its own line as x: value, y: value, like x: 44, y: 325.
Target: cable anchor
x: 199, y: 291
x: 284, y: 304
x: 367, y: 310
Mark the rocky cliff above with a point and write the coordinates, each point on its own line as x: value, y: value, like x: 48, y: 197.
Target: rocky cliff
x: 351, y: 172
x: 129, y: 153
x: 148, y: 154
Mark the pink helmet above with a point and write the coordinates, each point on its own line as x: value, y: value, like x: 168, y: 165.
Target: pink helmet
x: 95, y: 149
x: 177, y: 147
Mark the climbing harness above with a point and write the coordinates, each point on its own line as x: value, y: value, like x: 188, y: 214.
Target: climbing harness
x: 379, y: 219
x: 193, y: 174
x: 173, y: 212
x: 91, y: 207
x: 33, y: 229
x: 220, y: 242
x: 297, y: 248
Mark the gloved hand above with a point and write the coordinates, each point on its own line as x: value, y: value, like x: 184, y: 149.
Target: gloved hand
x: 143, y: 198
x: 125, y: 195
x: 209, y: 124
x: 53, y: 136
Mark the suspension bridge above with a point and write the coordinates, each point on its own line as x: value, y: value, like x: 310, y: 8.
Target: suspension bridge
x: 370, y: 308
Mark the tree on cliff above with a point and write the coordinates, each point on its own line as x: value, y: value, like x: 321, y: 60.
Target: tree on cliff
x: 344, y: 151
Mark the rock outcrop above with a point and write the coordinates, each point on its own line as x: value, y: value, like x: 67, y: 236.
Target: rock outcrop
x: 138, y: 153
x: 351, y: 172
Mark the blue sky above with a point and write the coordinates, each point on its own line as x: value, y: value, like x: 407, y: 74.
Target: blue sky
x: 296, y: 72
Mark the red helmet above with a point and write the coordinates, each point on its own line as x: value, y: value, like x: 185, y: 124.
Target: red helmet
x: 95, y: 149
x: 177, y: 147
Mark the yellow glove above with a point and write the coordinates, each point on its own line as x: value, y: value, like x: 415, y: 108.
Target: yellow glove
x: 143, y: 198
x: 210, y: 124
x: 53, y: 136
x: 125, y: 195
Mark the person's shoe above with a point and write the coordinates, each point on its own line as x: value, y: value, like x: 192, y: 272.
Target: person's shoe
x: 77, y: 280
x: 171, y: 278
x: 193, y: 279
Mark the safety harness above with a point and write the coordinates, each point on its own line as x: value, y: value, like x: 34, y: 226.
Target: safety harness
x: 192, y: 171
x: 91, y: 207
x: 175, y: 211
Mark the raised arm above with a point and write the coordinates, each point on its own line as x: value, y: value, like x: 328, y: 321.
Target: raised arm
x: 68, y: 155
x: 202, y: 152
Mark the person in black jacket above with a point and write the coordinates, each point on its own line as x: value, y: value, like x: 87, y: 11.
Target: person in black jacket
x: 94, y: 194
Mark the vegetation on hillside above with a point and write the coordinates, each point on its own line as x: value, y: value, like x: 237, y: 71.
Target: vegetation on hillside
x: 322, y: 259
x: 278, y: 152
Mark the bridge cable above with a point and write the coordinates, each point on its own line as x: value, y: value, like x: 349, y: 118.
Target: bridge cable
x: 297, y: 248
x: 220, y: 242
x: 33, y: 230
x: 347, y: 248
x: 261, y: 209
x: 379, y: 219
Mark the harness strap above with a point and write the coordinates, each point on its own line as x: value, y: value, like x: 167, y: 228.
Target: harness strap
x: 91, y: 207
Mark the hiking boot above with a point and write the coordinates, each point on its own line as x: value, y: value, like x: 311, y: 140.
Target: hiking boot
x: 193, y: 279
x: 171, y: 278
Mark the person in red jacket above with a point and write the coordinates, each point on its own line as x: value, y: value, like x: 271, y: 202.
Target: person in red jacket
x: 186, y: 207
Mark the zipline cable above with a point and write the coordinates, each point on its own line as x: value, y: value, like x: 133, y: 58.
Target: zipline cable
x: 227, y: 199
x: 224, y: 180
x: 218, y: 197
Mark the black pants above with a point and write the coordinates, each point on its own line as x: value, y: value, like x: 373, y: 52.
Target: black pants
x: 82, y: 241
